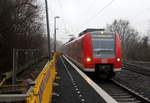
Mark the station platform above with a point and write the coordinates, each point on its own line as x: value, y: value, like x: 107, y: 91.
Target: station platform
x: 71, y: 87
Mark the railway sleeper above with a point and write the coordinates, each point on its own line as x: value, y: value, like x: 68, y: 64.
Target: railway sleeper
x: 128, y: 96
x: 117, y: 92
x: 121, y: 94
x: 122, y: 97
x: 131, y: 102
x: 126, y: 99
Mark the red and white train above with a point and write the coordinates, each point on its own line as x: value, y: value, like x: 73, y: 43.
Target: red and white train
x: 96, y: 50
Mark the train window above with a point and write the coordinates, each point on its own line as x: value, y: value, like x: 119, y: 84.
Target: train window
x: 103, y: 44
x: 103, y: 47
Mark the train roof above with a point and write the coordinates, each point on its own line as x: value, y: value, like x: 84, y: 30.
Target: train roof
x: 93, y: 30
x: 90, y: 30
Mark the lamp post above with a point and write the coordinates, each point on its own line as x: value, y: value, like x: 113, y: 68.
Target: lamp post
x: 48, y: 30
x: 56, y: 17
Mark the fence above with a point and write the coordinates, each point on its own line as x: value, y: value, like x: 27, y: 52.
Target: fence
x: 41, y: 89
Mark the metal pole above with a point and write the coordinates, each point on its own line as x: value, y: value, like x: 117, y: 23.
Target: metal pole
x: 14, y: 67
x: 48, y: 30
x: 55, y: 34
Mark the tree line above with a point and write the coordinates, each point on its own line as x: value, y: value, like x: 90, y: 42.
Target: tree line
x: 134, y: 46
x: 21, y: 27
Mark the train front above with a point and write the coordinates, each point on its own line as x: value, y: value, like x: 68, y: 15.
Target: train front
x: 105, y: 56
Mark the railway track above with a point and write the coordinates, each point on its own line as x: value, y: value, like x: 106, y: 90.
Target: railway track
x: 137, y: 69
x: 121, y: 93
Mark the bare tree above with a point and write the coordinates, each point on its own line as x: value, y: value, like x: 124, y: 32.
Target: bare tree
x: 20, y: 27
x: 129, y: 36
x: 134, y: 46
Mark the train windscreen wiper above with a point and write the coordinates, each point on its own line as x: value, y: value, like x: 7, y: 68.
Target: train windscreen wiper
x: 103, y: 50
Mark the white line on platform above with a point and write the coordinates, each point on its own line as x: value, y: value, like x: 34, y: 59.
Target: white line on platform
x: 67, y: 70
x: 72, y: 80
x: 97, y: 88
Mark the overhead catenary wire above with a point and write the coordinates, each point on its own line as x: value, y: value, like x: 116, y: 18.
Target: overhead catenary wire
x: 98, y: 13
x: 63, y: 19
x: 87, y: 10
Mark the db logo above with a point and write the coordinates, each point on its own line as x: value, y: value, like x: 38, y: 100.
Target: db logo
x: 104, y: 61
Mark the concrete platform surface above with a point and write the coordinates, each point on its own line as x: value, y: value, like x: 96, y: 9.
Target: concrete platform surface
x: 72, y: 88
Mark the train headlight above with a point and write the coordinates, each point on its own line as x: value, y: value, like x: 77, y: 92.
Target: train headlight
x: 88, y: 59
x: 118, y: 59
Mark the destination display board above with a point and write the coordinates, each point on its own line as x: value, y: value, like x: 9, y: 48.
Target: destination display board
x: 102, y: 35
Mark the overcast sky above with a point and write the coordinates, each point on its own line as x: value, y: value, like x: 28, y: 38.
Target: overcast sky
x: 77, y: 15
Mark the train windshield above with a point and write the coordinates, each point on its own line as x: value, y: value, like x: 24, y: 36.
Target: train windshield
x: 103, y: 47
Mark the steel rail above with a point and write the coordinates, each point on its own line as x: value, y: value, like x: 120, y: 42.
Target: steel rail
x: 134, y: 94
x: 137, y: 69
